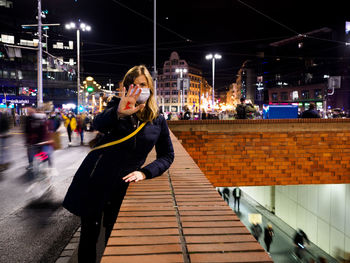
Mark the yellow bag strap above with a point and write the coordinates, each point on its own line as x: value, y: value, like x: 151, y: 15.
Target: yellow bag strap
x: 120, y: 140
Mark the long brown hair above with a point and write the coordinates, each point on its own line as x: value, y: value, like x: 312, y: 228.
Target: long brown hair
x: 150, y: 112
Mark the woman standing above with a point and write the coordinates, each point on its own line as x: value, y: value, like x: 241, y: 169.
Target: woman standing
x: 100, y: 184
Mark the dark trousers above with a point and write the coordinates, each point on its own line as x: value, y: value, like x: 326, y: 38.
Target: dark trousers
x: 91, y: 226
x: 82, y: 136
x: 236, y: 200
x: 268, y: 244
x: 69, y: 131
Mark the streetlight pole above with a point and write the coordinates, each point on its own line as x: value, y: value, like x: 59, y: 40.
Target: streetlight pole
x: 155, y: 77
x: 40, y: 59
x: 78, y: 68
x: 213, y: 57
x: 199, y: 100
x: 83, y: 27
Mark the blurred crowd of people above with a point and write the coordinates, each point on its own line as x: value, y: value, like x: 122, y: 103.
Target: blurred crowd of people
x: 40, y: 127
x: 247, y: 110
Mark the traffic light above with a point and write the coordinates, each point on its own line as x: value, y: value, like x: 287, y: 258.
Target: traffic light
x: 330, y: 91
x: 90, y: 89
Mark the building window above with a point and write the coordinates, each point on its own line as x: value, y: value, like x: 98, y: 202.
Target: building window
x: 174, y: 62
x: 174, y: 92
x: 166, y: 100
x: 318, y: 94
x: 5, y: 74
x: 7, y: 39
x: 174, y: 100
x: 308, y: 77
x: 305, y: 94
x: 274, y: 96
x: 284, y: 96
x: 167, y: 84
x: 295, y: 95
x: 6, y: 3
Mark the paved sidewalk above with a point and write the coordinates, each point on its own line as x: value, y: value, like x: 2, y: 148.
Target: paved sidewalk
x: 37, y: 231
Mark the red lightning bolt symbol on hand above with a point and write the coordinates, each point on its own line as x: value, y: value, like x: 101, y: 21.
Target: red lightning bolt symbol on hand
x: 127, y: 106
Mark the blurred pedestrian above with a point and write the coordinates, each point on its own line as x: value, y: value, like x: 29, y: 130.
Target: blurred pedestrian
x: 241, y: 109
x: 17, y: 119
x: 237, y: 193
x: 81, y: 126
x: 268, y: 236
x: 54, y: 122
x: 226, y: 194
x: 187, y: 115
x: 180, y: 116
x: 299, y: 240
x: 311, y: 112
x: 256, y: 230
x: 70, y: 122
x: 4, y: 129
x: 99, y: 185
x: 37, y: 137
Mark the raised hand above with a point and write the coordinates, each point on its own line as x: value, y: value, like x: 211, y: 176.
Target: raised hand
x: 127, y: 104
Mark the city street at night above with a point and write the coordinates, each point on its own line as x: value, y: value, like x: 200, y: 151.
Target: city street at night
x: 36, y: 231
x: 120, y: 120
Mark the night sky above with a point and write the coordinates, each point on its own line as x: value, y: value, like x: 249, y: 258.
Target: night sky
x: 122, y: 30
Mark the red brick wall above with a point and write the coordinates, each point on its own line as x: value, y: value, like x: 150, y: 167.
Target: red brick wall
x: 268, y: 152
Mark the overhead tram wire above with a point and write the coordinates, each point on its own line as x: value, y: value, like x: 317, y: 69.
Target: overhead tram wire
x: 114, y: 46
x: 151, y: 20
x: 268, y: 17
x: 175, y: 48
x: 290, y: 29
x: 132, y: 46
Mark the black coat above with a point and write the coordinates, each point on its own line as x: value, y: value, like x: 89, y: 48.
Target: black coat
x: 235, y: 191
x: 102, y: 170
x: 268, y: 234
x: 310, y: 114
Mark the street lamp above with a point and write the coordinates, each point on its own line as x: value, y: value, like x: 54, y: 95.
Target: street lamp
x: 181, y: 71
x: 83, y: 27
x: 213, y: 57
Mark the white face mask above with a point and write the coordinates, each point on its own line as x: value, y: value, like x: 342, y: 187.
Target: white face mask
x: 145, y: 93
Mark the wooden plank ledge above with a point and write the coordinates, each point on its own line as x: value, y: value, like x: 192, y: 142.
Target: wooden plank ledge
x: 179, y: 217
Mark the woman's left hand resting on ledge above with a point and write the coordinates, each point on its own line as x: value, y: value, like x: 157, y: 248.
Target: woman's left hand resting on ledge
x: 134, y: 177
